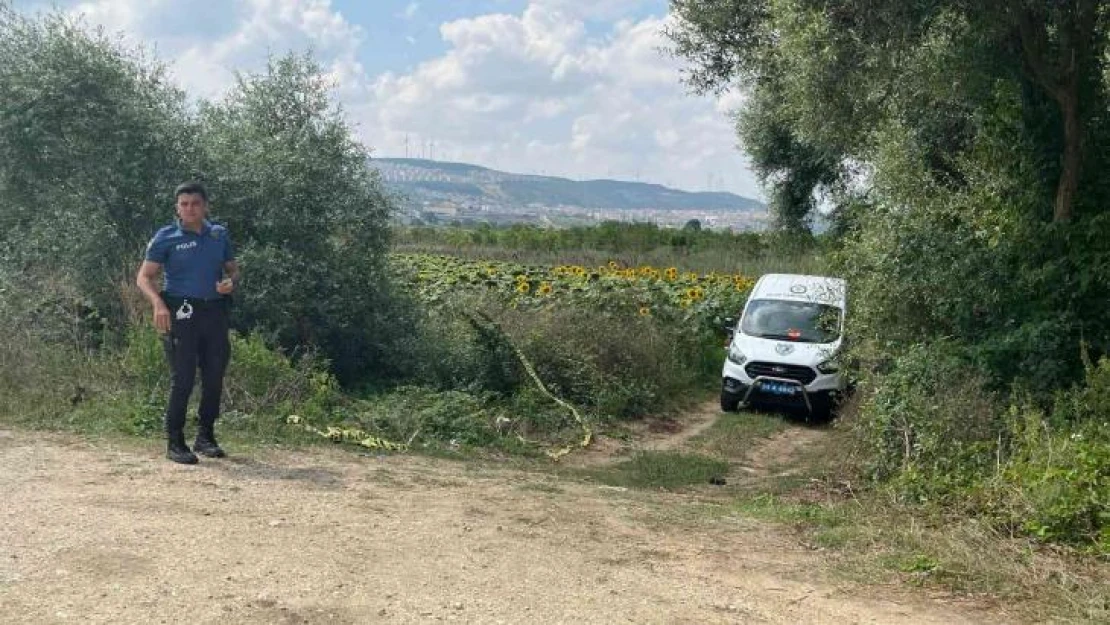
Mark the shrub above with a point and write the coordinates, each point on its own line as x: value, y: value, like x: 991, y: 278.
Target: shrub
x: 611, y: 365
x: 931, y: 424
x: 308, y: 216
x: 1056, y: 484
x: 938, y: 436
x: 426, y: 416
x: 46, y: 362
x: 92, y: 143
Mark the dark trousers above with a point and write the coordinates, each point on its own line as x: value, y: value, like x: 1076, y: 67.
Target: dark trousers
x: 199, y: 341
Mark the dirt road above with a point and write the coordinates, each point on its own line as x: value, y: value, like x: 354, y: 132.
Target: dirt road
x: 112, y: 533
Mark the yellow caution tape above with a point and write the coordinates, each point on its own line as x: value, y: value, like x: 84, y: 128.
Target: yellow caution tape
x: 348, y: 435
x: 587, y: 433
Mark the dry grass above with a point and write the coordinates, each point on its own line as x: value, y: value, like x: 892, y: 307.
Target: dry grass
x: 871, y: 537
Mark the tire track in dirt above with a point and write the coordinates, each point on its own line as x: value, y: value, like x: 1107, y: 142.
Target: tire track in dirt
x: 655, y: 434
x: 766, y: 457
x: 777, y: 456
x: 672, y: 434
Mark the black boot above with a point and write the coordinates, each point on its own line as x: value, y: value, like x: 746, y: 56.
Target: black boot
x: 206, y: 445
x: 176, y: 449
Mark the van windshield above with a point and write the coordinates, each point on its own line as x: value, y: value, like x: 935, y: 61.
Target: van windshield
x: 804, y: 322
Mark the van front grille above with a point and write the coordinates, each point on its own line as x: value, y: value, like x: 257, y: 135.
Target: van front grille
x: 805, y: 375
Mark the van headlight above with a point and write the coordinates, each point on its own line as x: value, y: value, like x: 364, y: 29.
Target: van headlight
x: 829, y: 366
x: 735, y: 355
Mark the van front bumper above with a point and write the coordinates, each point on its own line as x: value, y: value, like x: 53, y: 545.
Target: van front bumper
x: 778, y: 389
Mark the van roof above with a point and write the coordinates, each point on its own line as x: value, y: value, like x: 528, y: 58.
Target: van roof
x: 801, y: 288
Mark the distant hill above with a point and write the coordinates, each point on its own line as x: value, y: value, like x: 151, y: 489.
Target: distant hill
x: 431, y: 181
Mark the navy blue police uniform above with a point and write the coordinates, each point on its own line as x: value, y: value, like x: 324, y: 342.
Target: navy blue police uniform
x: 192, y: 264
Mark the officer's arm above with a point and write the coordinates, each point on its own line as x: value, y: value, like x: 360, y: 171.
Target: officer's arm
x: 148, y: 284
x: 148, y: 281
x: 231, y: 271
x: 231, y: 278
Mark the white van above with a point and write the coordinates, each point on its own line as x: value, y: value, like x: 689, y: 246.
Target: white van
x: 784, y: 349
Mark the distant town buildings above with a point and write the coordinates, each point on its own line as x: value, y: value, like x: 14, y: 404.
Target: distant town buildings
x: 433, y: 192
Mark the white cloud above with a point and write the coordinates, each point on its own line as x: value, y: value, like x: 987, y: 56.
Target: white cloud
x: 207, y: 41
x: 537, y: 91
x: 533, y: 93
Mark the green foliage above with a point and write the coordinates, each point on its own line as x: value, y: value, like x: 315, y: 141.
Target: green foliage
x: 611, y: 236
x: 940, y: 438
x: 836, y: 71
x: 143, y: 359
x: 972, y: 264
x: 92, y: 141
x: 47, y: 367
x: 609, y: 365
x: 123, y: 390
x: 794, y: 169
x: 617, y: 342
x: 1056, y: 484
x: 263, y: 380
x: 628, y: 244
x: 932, y: 426
x: 308, y: 215
x: 260, y: 380
x: 1059, y: 484
x: 429, y: 418
x: 613, y: 365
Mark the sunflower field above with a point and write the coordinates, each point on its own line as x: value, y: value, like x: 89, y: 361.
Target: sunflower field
x: 667, y: 294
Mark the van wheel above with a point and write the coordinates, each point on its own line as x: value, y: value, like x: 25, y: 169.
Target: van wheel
x: 729, y: 402
x: 822, y: 411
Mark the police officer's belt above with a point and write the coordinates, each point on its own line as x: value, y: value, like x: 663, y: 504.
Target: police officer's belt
x: 198, y: 303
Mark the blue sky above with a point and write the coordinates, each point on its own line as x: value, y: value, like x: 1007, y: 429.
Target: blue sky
x: 575, y: 88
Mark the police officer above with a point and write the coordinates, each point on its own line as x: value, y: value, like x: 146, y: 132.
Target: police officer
x: 191, y: 313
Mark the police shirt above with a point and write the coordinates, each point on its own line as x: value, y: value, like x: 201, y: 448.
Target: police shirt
x: 192, y: 263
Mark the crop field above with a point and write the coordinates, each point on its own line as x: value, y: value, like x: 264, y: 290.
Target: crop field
x: 669, y: 294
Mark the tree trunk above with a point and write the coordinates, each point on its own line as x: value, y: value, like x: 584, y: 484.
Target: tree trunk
x: 1061, y: 72
x: 1073, y: 153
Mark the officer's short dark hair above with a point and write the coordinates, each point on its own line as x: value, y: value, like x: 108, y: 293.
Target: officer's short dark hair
x: 191, y: 188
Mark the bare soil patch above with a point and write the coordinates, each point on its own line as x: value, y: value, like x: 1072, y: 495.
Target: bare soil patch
x: 107, y: 532
x: 653, y: 434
